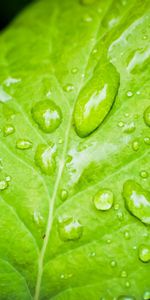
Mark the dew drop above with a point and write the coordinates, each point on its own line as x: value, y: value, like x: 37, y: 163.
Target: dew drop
x: 127, y: 284
x: 68, y: 88
x: 108, y: 241
x: 113, y: 263
x: 147, y: 140
x: 144, y: 174
x: 8, y: 129
x: 74, y: 71
x: 103, y: 199
x: 64, y: 195
x: 123, y: 274
x: 127, y: 235
x: 147, y: 116
x: 137, y: 200
x: 37, y: 217
x: 129, y: 94
x: 120, y: 124
x: 47, y: 115
x: 96, y: 99
x: 129, y: 127
x: 3, y: 185
x: 126, y: 297
x: 116, y: 206
x: 45, y: 158
x: 146, y: 295
x: 69, y: 229
x: 135, y: 145
x: 87, y: 18
x: 120, y: 215
x: 144, y: 253
x: 22, y: 144
x: 94, y: 51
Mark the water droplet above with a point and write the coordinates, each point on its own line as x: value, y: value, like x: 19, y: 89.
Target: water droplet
x: 129, y: 94
x: 8, y: 178
x: 103, y: 200
x: 138, y: 92
x: 22, y: 144
x: 120, y: 124
x: 147, y: 140
x: 87, y: 18
x: 64, y: 195
x: 108, y: 241
x: 147, y: 116
x: 47, y: 115
x: 135, y: 145
x: 87, y: 2
x: 92, y: 254
x: 129, y: 127
x: 8, y: 129
x: 60, y: 141
x: 74, y: 70
x: 113, y: 263
x: 3, y: 185
x: 120, y: 215
x: 68, y: 88
x: 116, y: 206
x: 127, y: 284
x: 123, y: 274
x: 127, y: 235
x: 144, y: 174
x: 137, y: 200
x: 125, y: 297
x: 37, y: 217
x: 144, y: 253
x: 69, y: 229
x: 145, y: 37
x: 96, y: 99
x: 45, y: 158
x: 94, y: 51
x: 9, y: 81
x: 146, y: 295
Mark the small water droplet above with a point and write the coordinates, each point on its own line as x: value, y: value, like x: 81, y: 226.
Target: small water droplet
x: 116, y: 206
x: 147, y: 116
x: 94, y: 51
x: 108, y: 241
x: 64, y: 195
x: 120, y: 124
x: 3, y: 185
x: 22, y: 144
x: 144, y: 174
x: 147, y: 140
x: 129, y: 127
x: 124, y: 274
x: 47, y: 115
x: 87, y: 19
x: 60, y: 141
x: 62, y: 276
x: 145, y: 37
x: 92, y: 254
x: 144, y: 253
x: 126, y: 297
x: 74, y: 70
x: 8, y: 178
x: 137, y: 200
x: 69, y: 229
x: 146, y: 295
x: 37, y: 217
x: 103, y: 199
x: 120, y: 215
x: 127, y: 284
x: 135, y: 145
x: 138, y: 92
x: 113, y: 263
x: 68, y: 88
x: 127, y: 235
x: 129, y: 94
x: 45, y: 158
x: 8, y: 129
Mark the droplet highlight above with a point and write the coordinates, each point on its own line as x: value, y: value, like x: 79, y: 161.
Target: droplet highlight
x: 8, y: 130
x: 144, y: 253
x: 45, y: 158
x: 103, y: 199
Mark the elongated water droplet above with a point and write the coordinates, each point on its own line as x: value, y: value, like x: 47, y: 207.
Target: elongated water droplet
x: 68, y: 88
x: 64, y: 195
x: 147, y: 116
x: 74, y: 70
x: 137, y: 200
x: 45, y: 158
x: 144, y: 174
x: 127, y: 284
x: 8, y: 129
x: 146, y: 295
x: 23, y: 144
x: 69, y: 229
x: 96, y: 99
x: 103, y: 200
x: 47, y: 115
x: 127, y: 235
x: 3, y: 185
x: 135, y: 145
x: 144, y: 253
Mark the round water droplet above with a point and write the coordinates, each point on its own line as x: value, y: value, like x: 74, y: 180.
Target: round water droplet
x: 129, y: 127
x: 127, y: 235
x: 87, y: 18
x: 74, y: 70
x: 64, y: 195
x: 145, y: 37
x: 147, y: 116
x: 127, y: 284
x: 123, y: 274
x: 94, y: 51
x: 144, y: 253
x: 103, y: 199
x: 137, y: 200
x: 23, y: 144
x: 129, y: 94
x: 147, y: 140
x: 108, y: 241
x: 45, y: 158
x: 8, y: 129
x: 138, y: 92
x: 87, y: 2
x: 68, y: 88
x: 126, y: 297
x: 47, y: 115
x: 144, y: 174
x: 146, y: 295
x: 8, y: 178
x: 120, y: 124
x: 3, y: 185
x: 60, y: 141
x: 70, y: 229
x: 113, y: 263
x: 135, y: 145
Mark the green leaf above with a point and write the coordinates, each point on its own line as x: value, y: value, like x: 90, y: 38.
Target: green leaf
x: 74, y: 150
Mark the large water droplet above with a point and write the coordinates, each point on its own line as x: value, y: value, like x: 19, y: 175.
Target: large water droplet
x: 45, y: 158
x: 96, y: 99
x: 137, y: 200
x: 8, y: 129
x: 22, y: 144
x: 103, y: 200
x: 69, y: 229
x: 146, y: 295
x: 47, y: 115
x: 144, y: 253
x: 147, y: 116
